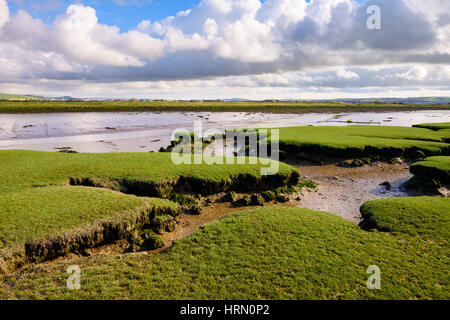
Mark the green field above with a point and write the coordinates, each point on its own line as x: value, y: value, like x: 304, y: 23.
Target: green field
x: 358, y: 141
x: 218, y: 106
x: 48, y: 195
x: 433, y: 168
x: 268, y: 253
x: 14, y: 97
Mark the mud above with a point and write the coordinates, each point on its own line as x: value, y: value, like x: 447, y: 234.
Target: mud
x: 149, y: 131
x: 342, y: 191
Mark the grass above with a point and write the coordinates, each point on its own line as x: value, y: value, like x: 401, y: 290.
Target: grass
x: 48, y: 206
x: 46, y: 223
x: 39, y: 212
x: 218, y: 106
x: 25, y: 169
x: 364, y: 141
x: 433, y: 168
x: 426, y: 217
x: 434, y: 126
x: 14, y: 97
x: 267, y: 253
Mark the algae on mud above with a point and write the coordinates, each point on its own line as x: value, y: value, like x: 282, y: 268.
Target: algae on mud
x: 267, y: 253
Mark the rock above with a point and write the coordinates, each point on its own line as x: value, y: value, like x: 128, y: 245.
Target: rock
x: 258, y: 200
x: 230, y: 197
x: 268, y: 195
x: 443, y: 191
x: 246, y: 201
x: 195, y: 210
x: 282, y: 198
x: 387, y: 185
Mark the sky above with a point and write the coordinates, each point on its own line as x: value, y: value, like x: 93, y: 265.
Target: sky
x: 216, y: 49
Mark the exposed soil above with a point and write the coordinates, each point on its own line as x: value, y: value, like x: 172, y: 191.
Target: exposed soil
x: 342, y: 191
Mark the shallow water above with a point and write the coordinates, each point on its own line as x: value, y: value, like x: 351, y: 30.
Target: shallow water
x: 148, y: 131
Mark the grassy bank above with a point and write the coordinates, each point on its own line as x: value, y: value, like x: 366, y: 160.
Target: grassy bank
x: 50, y: 203
x: 360, y: 141
x: 144, y: 174
x: 433, y: 168
x: 217, y: 106
x: 44, y: 223
x: 426, y: 217
x: 434, y: 126
x: 268, y: 253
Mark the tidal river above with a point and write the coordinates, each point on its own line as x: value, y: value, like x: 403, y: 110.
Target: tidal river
x: 148, y: 131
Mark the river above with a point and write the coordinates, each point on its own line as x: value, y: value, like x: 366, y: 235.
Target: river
x: 149, y: 131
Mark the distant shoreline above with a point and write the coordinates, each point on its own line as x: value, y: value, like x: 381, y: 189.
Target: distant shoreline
x: 21, y: 107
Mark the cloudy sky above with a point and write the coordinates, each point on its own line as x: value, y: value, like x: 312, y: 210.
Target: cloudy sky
x: 187, y: 49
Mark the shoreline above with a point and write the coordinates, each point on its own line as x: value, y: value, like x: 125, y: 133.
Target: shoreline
x: 33, y: 107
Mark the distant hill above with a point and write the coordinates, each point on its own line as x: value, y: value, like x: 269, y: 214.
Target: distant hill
x: 15, y: 97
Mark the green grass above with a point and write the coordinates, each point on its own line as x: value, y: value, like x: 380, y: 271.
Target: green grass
x: 364, y: 140
x: 219, y: 106
x: 426, y: 217
x: 39, y: 212
x: 25, y: 169
x: 434, y: 126
x: 268, y: 253
x: 14, y: 97
x: 41, y: 197
x: 433, y: 168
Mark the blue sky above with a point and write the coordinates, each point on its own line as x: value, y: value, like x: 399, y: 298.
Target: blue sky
x: 125, y: 14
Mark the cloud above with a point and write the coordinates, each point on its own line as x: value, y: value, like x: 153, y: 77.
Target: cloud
x: 320, y: 43
x: 79, y: 37
x: 4, y: 13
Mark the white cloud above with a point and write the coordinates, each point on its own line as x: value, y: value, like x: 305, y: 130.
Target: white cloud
x: 345, y: 74
x: 4, y: 13
x: 210, y: 27
x: 414, y: 73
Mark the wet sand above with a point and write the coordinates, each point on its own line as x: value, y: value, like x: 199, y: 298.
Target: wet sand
x: 149, y: 131
x: 342, y: 191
